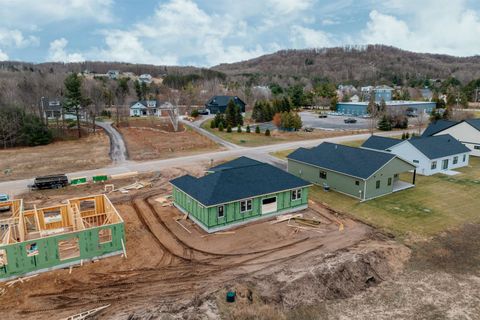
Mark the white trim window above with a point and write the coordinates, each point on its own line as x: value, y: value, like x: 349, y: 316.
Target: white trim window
x: 296, y: 194
x: 245, y: 206
x: 434, y: 165
x: 455, y: 160
x: 220, y: 212
x: 464, y: 157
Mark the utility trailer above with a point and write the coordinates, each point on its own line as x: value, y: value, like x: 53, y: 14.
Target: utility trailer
x: 50, y: 182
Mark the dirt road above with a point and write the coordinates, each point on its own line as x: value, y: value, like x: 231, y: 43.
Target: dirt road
x: 118, y: 150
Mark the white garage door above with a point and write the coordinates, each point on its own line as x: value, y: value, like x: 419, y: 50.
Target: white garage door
x: 269, y: 205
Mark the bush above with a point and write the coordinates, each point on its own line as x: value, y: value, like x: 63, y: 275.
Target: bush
x: 257, y: 129
x: 213, y: 124
x: 248, y: 129
x: 384, y: 124
x: 106, y: 113
x: 239, y: 129
x: 220, y: 127
x: 194, y: 113
x: 267, y: 132
x: 229, y: 129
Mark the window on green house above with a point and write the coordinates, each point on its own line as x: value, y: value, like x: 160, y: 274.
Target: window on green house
x: 104, y: 235
x: 246, y: 205
x: 455, y: 160
x: 32, y: 249
x: 220, y: 211
x: 296, y: 194
x: 389, y: 182
x: 357, y: 183
x: 3, y: 257
x: 377, y: 185
x: 323, y: 174
x: 69, y: 248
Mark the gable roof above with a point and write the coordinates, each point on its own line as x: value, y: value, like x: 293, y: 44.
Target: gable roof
x: 241, y: 178
x: 437, y: 126
x: 356, y: 162
x: 474, y: 123
x: 439, y: 146
x: 223, y: 100
x: 380, y: 143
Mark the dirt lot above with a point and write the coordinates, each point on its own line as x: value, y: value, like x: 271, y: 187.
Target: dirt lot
x: 149, y: 139
x: 91, y: 152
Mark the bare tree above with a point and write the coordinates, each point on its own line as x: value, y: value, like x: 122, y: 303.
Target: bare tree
x: 420, y: 121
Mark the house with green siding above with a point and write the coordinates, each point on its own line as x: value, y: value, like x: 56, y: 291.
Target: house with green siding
x: 238, y: 192
x: 48, y: 238
x: 361, y: 173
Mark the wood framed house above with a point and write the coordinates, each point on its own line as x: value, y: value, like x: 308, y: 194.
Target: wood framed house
x: 359, y: 173
x: 431, y: 155
x: 238, y: 192
x: 466, y: 131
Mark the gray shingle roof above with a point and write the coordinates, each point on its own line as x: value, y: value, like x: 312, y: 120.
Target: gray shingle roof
x: 243, y: 179
x: 357, y: 162
x: 223, y: 100
x: 380, y: 143
x: 438, y: 126
x: 474, y: 123
x: 439, y: 146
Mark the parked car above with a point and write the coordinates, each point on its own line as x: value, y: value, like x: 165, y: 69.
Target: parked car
x: 350, y: 120
x: 50, y: 182
x: 308, y: 129
x: 203, y: 112
x: 322, y: 115
x: 3, y: 198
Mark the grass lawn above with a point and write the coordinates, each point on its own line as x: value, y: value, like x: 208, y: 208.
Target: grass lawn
x: 254, y: 140
x: 437, y: 203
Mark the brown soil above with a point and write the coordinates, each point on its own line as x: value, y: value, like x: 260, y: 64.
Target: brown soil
x: 170, y: 271
x: 91, y: 152
x: 154, y: 139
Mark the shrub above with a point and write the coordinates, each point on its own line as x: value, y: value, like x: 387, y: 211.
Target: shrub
x: 229, y: 128
x: 220, y: 127
x: 384, y: 124
x: 267, y: 132
x: 239, y: 129
x: 213, y: 124
x: 257, y: 129
x: 194, y: 113
x: 248, y: 129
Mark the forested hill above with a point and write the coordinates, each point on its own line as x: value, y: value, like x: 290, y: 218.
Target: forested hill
x: 356, y: 64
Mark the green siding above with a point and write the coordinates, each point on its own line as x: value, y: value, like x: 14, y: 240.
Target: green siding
x: 48, y: 256
x: 346, y: 184
x: 208, y: 216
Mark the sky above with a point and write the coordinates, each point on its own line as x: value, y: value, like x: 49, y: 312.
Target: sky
x: 210, y: 32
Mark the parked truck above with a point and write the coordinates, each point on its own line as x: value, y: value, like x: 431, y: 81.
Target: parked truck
x: 50, y: 182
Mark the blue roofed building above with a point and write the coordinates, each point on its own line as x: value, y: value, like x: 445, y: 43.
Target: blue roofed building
x: 411, y: 108
x: 218, y: 104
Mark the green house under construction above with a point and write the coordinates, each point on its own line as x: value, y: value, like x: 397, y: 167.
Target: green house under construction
x: 238, y: 192
x: 43, y: 239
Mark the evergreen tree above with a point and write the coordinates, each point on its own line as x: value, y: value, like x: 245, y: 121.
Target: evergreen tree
x: 384, y: 124
x: 74, y: 97
x: 248, y: 129
x: 213, y: 124
x: 403, y: 136
x: 447, y: 113
x: 230, y: 114
x: 257, y: 129
x: 239, y: 129
x: 229, y: 128
x: 407, y: 135
x: 238, y: 116
x: 435, y: 115
x: 220, y: 127
x: 138, y: 89
x: 267, y: 132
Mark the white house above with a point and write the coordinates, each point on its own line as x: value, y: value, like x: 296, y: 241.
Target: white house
x: 146, y: 78
x: 466, y: 131
x: 113, y: 74
x: 430, y: 154
x: 355, y: 98
x: 144, y: 108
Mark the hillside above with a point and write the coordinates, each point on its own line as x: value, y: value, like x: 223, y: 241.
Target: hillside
x: 360, y: 64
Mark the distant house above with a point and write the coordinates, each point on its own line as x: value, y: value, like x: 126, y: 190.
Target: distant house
x: 383, y: 93
x: 218, y: 104
x: 360, y: 173
x: 238, y: 192
x: 431, y: 155
x: 466, y: 131
x: 355, y: 98
x: 145, y: 78
x: 146, y: 108
x: 53, y: 109
x: 113, y: 74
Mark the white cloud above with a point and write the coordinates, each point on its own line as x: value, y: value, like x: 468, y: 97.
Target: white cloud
x: 302, y: 37
x: 289, y: 6
x: 57, y: 52
x: 439, y: 26
x: 15, y: 38
x: 3, y: 56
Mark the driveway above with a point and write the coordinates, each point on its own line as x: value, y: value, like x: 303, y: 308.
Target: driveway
x: 197, y: 126
x: 311, y: 119
x: 118, y: 150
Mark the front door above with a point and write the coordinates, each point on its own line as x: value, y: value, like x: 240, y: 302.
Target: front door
x: 445, y: 164
x: 269, y: 205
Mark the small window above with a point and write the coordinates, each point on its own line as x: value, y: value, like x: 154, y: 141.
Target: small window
x: 416, y: 161
x: 246, y: 205
x: 476, y: 147
x: 32, y: 249
x: 220, y: 211
x: 296, y: 194
x: 68, y: 248
x: 87, y: 205
x: 464, y: 157
x: 455, y: 160
x: 104, y: 235
x: 52, y: 216
x: 434, y: 165
x: 389, y: 182
x: 3, y: 257
x: 323, y: 175
x: 357, y: 183
x: 377, y: 184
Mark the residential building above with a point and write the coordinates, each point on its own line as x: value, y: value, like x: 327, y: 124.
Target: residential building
x: 52, y: 109
x: 113, y: 74
x: 355, y: 98
x: 147, y: 108
x: 383, y: 93
x: 360, y: 173
x: 145, y: 78
x: 54, y: 237
x: 238, y: 192
x: 466, y: 131
x: 218, y: 104
x: 431, y: 155
x: 413, y: 107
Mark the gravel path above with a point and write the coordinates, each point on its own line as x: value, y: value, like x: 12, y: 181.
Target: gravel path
x: 118, y: 149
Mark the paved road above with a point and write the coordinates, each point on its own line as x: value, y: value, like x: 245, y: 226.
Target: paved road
x: 118, y: 150
x: 259, y: 153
